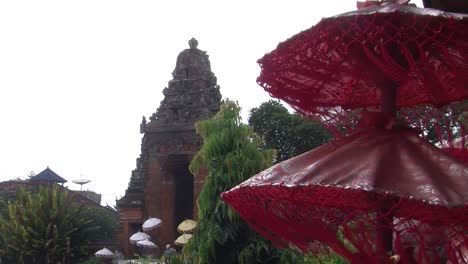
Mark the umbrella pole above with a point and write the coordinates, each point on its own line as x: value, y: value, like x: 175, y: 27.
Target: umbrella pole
x: 385, y: 224
x: 388, y: 99
x: 384, y: 248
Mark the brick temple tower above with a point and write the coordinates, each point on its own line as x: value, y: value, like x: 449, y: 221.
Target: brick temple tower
x: 161, y: 185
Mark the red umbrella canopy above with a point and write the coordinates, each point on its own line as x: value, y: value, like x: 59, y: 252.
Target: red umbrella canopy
x: 445, y: 126
x: 458, y: 148
x: 343, y: 62
x: 352, y: 194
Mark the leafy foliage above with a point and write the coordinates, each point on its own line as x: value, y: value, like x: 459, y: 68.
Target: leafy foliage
x: 231, y: 153
x: 289, y: 134
x: 289, y: 256
x: 3, y: 202
x: 107, y: 222
x: 92, y: 260
x: 45, y: 227
x: 177, y: 259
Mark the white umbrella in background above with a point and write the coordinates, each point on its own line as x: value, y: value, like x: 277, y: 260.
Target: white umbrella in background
x: 182, y: 240
x: 104, y: 253
x: 146, y: 244
x: 138, y: 236
x: 187, y: 226
x: 151, y: 223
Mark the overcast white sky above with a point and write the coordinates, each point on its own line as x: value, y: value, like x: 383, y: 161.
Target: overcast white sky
x: 77, y: 76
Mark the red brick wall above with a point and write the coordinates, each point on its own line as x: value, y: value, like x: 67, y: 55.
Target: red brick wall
x: 159, y: 199
x: 128, y: 218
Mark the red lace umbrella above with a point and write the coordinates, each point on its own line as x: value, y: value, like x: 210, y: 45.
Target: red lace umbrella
x: 384, y: 189
x: 340, y: 66
x: 353, y: 193
x: 444, y: 126
x: 458, y: 149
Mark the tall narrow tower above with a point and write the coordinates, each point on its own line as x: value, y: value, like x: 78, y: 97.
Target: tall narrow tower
x: 161, y: 185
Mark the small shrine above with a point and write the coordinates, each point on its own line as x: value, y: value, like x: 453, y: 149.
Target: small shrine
x: 161, y: 185
x: 48, y: 176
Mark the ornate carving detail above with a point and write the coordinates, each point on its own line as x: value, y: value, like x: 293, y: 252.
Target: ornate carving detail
x: 192, y: 94
x: 143, y: 126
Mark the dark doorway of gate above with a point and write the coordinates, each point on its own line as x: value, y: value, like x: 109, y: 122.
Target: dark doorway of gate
x: 183, y: 187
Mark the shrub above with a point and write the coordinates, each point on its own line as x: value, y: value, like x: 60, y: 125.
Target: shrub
x: 44, y: 227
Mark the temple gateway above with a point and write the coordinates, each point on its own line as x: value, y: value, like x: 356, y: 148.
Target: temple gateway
x: 162, y: 186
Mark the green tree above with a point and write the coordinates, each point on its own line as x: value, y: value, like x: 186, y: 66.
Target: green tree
x: 231, y: 153
x: 289, y: 134
x: 107, y: 221
x: 44, y: 227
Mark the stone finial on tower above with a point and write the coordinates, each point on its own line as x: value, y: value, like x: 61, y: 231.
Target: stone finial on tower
x: 192, y: 63
x: 193, y: 43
